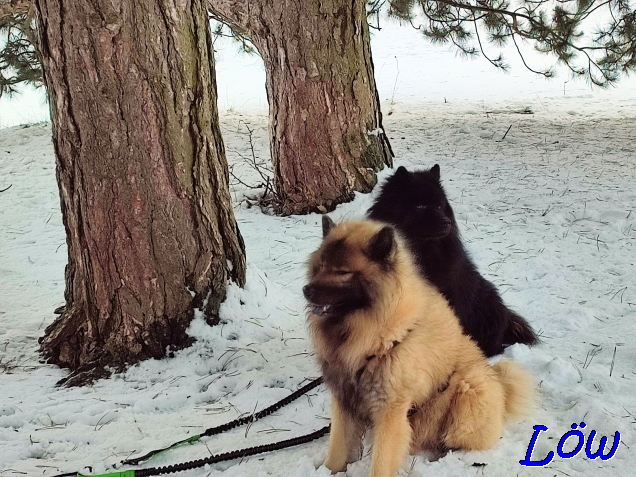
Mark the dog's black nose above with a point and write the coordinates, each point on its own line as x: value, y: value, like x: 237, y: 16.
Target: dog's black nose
x: 308, y: 291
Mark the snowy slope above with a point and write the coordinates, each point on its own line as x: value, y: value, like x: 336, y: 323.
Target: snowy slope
x: 548, y: 214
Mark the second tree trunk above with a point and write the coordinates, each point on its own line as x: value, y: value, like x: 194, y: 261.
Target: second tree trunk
x: 326, y: 135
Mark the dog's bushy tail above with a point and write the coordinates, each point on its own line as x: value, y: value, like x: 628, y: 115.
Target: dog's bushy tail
x: 519, y: 331
x: 519, y: 389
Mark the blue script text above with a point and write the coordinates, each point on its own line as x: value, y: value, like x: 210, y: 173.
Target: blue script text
x: 577, y: 436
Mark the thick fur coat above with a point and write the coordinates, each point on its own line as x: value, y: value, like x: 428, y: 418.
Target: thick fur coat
x: 416, y: 204
x: 394, y: 355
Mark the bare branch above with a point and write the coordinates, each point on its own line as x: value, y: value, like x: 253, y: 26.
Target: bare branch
x: 547, y: 74
x: 242, y: 13
x: 497, y: 62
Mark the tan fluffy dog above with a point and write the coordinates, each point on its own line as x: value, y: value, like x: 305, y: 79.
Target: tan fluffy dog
x: 394, y: 356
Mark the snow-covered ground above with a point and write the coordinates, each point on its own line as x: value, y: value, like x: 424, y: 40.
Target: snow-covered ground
x: 548, y: 214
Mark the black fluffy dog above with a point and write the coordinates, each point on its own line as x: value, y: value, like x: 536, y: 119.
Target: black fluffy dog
x: 415, y: 203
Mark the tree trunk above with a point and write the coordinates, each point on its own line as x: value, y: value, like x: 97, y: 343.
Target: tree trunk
x: 326, y: 135
x: 142, y: 174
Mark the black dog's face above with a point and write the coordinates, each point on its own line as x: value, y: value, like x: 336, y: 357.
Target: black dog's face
x: 415, y: 201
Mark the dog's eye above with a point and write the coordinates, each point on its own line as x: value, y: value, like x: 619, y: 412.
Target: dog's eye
x: 343, y: 272
x: 422, y: 207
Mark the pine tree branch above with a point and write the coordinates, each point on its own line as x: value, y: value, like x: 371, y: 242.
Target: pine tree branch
x: 20, y: 61
x: 600, y: 5
x: 482, y: 7
x: 610, y: 51
x: 498, y: 62
x: 548, y: 73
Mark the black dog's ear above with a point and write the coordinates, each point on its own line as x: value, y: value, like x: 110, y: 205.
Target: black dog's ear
x: 327, y: 225
x: 435, y: 171
x: 401, y: 173
x: 382, y: 246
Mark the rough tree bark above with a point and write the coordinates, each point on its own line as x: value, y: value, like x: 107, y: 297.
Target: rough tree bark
x: 142, y: 174
x: 15, y: 7
x: 326, y: 135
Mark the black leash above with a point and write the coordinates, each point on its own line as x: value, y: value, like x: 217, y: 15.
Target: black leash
x: 213, y: 459
x: 241, y: 421
x: 218, y: 430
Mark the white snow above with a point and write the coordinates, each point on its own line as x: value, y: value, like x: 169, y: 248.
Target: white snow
x: 548, y: 214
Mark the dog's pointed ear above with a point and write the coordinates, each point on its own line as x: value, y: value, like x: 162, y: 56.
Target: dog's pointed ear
x: 327, y: 225
x: 401, y: 173
x: 382, y: 246
x: 435, y: 171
